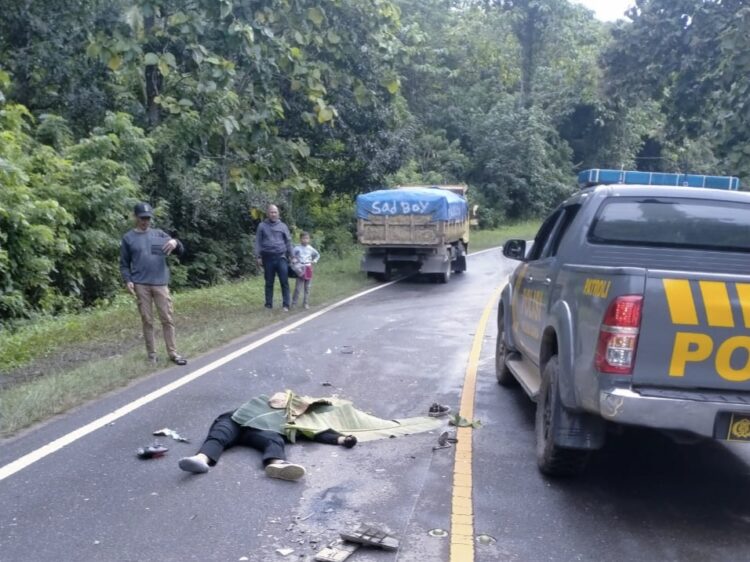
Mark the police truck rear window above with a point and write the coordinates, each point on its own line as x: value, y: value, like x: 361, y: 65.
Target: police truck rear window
x: 676, y: 223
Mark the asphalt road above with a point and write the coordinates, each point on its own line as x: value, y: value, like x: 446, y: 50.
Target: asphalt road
x: 643, y: 498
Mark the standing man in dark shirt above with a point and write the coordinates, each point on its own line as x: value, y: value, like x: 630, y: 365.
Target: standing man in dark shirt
x: 143, y: 264
x: 273, y: 248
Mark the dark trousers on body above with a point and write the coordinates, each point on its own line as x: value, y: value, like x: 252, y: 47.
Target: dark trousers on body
x: 226, y: 433
x: 273, y: 265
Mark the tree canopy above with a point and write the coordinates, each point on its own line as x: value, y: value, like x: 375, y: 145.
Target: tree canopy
x: 210, y: 109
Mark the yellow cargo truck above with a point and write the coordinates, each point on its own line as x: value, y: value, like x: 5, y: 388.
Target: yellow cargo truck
x: 412, y: 229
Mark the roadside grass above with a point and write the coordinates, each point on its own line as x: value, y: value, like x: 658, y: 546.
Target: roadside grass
x: 205, y: 319
x: 483, y: 239
x: 54, y: 364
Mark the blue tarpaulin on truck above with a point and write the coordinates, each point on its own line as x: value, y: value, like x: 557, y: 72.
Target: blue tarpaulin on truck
x: 441, y: 204
x: 629, y: 177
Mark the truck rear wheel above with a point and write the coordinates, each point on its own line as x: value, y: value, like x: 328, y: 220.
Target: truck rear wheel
x: 502, y: 372
x: 445, y: 276
x: 552, y: 459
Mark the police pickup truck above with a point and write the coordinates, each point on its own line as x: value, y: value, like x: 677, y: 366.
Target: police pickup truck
x: 632, y: 306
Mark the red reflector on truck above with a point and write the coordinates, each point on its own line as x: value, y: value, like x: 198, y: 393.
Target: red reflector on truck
x: 618, y: 336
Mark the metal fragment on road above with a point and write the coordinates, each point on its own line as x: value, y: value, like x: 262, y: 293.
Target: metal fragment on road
x: 284, y: 551
x: 439, y: 533
x: 486, y: 540
x: 166, y: 432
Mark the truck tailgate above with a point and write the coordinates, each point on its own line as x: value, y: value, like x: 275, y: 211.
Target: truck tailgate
x: 695, y: 332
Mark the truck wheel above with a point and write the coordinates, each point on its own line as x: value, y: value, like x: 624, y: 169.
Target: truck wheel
x: 552, y: 459
x: 502, y: 372
x: 445, y: 276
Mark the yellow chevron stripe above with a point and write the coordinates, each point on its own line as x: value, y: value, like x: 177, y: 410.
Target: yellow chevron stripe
x: 743, y: 292
x: 717, y: 303
x: 680, y: 301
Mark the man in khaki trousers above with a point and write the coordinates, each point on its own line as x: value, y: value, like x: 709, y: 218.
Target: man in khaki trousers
x: 143, y: 264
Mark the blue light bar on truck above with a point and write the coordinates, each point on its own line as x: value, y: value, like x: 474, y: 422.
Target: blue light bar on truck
x: 587, y: 178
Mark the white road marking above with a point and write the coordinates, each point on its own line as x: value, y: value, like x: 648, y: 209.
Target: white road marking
x: 34, y: 456
x: 53, y: 446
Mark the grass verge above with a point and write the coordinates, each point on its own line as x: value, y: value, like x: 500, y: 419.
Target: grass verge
x: 55, y: 364
x: 74, y: 358
x: 483, y: 239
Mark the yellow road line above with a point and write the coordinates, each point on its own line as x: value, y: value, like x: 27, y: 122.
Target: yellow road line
x: 462, y: 511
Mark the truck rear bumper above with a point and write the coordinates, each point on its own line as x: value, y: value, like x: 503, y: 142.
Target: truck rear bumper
x: 700, y: 417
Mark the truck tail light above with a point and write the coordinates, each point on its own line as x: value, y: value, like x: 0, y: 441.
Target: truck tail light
x: 618, y: 336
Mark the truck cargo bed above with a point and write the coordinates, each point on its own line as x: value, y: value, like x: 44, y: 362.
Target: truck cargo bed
x: 408, y: 230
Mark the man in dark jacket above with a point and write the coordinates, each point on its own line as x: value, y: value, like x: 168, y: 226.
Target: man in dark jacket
x: 143, y: 264
x: 273, y: 248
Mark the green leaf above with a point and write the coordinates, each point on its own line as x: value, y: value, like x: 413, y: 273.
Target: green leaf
x: 93, y: 50
x: 333, y: 38
x: 151, y: 58
x: 316, y: 15
x: 299, y: 38
x: 324, y: 115
x: 164, y: 68
x: 228, y: 125
x: 226, y: 8
x: 360, y: 94
x: 114, y: 62
x: 393, y: 86
x: 170, y: 60
x: 177, y: 19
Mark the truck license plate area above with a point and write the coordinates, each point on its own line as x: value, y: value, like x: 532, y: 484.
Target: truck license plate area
x: 739, y: 428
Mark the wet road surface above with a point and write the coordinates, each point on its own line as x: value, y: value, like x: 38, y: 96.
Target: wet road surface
x: 643, y: 497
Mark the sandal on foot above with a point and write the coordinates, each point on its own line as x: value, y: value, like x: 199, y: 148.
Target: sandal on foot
x: 194, y: 464
x: 371, y: 536
x: 285, y: 470
x: 438, y: 410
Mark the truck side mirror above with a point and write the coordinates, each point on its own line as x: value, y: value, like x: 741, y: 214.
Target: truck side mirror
x: 515, y: 249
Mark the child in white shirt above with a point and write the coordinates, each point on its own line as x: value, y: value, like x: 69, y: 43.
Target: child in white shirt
x: 304, y: 256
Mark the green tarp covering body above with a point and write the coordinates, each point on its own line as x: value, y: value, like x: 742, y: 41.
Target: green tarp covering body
x: 311, y: 416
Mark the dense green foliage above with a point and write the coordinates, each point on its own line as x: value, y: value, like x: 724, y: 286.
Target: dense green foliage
x: 210, y: 109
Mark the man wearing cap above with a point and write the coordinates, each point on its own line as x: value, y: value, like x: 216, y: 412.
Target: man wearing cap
x: 273, y: 248
x: 143, y: 264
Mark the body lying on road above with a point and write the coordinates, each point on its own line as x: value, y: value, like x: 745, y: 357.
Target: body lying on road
x: 267, y: 424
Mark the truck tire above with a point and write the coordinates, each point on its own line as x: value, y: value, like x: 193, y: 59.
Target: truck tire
x: 502, y: 372
x: 445, y: 276
x: 552, y: 459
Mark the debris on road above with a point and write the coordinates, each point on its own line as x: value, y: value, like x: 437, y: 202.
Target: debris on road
x: 439, y: 533
x: 438, y: 410
x: 346, y: 349
x: 369, y: 535
x: 326, y: 383
x: 153, y: 451
x: 460, y: 421
x: 338, y: 551
x: 444, y: 441
x: 486, y: 540
x: 166, y: 432
x: 284, y: 551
